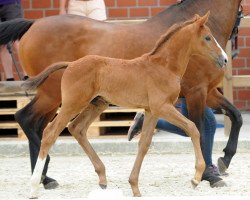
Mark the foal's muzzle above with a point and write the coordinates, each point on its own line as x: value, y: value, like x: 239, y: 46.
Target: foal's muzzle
x: 222, y: 60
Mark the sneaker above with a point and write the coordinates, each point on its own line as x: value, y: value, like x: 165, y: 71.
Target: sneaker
x: 49, y: 183
x: 136, y: 126
x: 214, y: 180
x: 213, y: 169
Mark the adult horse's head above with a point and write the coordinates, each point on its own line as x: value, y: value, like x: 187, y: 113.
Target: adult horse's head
x: 205, y: 43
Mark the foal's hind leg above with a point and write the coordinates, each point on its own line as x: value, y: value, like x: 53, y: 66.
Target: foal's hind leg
x: 50, y: 134
x: 144, y: 143
x: 171, y: 114
x: 78, y: 128
x: 217, y: 101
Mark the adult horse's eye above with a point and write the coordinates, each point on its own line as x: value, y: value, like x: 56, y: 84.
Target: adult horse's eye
x: 208, y: 38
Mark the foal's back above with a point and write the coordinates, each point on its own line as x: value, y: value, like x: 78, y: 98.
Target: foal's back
x: 122, y: 82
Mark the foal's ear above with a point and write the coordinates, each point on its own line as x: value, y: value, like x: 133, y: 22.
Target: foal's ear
x: 196, y: 17
x: 203, y: 20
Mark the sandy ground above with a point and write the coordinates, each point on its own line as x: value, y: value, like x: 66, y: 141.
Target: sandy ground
x: 161, y: 175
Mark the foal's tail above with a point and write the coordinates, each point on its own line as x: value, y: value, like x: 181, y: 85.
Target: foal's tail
x: 36, y: 81
x: 13, y: 30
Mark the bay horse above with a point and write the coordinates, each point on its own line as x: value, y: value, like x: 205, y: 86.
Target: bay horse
x: 67, y: 37
x: 152, y: 82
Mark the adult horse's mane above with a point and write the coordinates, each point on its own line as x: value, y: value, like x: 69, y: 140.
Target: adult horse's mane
x: 181, y: 3
x: 170, y: 32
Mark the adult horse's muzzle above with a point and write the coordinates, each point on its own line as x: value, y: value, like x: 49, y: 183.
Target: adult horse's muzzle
x: 222, y: 60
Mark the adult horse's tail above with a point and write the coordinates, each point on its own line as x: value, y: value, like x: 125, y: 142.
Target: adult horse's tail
x: 13, y: 30
x: 34, y: 82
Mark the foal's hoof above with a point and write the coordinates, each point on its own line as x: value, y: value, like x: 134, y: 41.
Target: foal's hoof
x: 103, y: 186
x: 221, y: 166
x: 195, y: 183
x: 137, y: 195
x: 33, y: 197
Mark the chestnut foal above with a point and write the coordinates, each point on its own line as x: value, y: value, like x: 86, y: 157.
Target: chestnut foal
x: 151, y: 81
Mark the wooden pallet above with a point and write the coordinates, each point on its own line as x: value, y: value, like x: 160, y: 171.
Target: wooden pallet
x: 114, y: 120
x: 9, y: 104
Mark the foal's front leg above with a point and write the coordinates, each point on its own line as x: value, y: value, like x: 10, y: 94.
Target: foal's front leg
x: 144, y: 143
x: 172, y: 115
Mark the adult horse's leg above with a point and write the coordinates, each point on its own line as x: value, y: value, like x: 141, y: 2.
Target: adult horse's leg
x: 32, y: 119
x: 217, y: 101
x: 78, y: 128
x: 144, y: 143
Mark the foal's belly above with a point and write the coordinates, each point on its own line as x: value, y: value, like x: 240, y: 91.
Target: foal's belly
x: 126, y: 98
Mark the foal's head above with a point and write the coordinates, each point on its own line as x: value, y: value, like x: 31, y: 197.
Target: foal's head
x: 205, y: 44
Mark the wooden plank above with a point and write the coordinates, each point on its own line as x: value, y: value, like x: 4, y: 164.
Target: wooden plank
x: 116, y: 109
x: 11, y: 87
x: 111, y: 123
x: 8, y: 111
x: 245, y: 22
x: 9, y: 125
x: 13, y: 124
x: 241, y: 81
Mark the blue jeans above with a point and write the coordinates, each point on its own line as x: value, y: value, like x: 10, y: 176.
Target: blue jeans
x: 208, y: 133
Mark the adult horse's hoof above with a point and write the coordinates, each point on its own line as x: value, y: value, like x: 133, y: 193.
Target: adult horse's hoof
x: 195, y: 183
x: 219, y: 184
x: 103, y: 186
x: 221, y: 166
x: 49, y: 183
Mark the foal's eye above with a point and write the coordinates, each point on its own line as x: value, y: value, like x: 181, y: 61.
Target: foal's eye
x: 208, y: 38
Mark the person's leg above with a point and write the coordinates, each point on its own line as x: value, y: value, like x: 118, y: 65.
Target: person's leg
x: 96, y: 10
x: 77, y: 8
x: 209, y: 132
x: 9, y: 12
x: 6, y: 62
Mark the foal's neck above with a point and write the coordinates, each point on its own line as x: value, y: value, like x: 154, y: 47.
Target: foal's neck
x: 175, y: 54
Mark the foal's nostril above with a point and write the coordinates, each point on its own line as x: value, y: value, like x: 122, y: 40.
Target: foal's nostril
x: 222, y: 60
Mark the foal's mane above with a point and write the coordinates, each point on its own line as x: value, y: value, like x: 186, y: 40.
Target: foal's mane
x: 170, y: 32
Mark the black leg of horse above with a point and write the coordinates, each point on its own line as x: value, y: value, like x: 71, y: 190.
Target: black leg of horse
x: 33, y: 128
x: 218, y: 101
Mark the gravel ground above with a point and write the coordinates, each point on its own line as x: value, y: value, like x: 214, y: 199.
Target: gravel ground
x: 161, y: 175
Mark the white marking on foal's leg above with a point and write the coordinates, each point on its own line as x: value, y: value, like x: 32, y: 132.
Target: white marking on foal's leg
x: 222, y: 51
x: 36, y: 178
